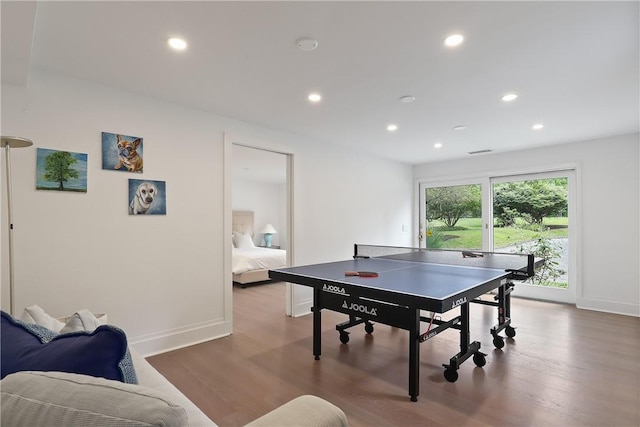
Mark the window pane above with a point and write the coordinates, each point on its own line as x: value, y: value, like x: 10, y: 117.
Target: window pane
x: 532, y: 217
x: 454, y: 217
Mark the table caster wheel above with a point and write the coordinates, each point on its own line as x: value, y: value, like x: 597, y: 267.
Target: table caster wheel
x: 368, y: 328
x: 511, y: 332
x: 344, y: 337
x: 451, y: 375
x: 479, y: 359
x: 498, y: 341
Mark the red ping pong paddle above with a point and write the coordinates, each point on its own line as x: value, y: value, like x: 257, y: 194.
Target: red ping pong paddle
x: 361, y: 273
x: 469, y: 254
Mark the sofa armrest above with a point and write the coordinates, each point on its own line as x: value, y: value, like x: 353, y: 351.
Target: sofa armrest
x: 35, y: 398
x: 303, y: 411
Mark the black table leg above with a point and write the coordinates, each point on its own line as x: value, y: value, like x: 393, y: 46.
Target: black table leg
x: 414, y: 359
x: 465, y: 333
x: 467, y: 348
x: 317, y: 323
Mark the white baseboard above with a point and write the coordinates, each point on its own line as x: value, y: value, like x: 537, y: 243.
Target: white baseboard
x: 161, y: 342
x: 302, y: 308
x: 609, y: 306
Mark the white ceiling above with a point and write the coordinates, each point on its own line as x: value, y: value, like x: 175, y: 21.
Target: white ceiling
x: 574, y: 65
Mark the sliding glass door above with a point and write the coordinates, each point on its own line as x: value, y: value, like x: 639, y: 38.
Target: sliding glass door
x: 529, y: 213
x: 535, y: 213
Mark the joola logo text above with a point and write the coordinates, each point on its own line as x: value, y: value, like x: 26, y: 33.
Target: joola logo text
x: 334, y: 289
x: 426, y: 336
x: 459, y: 302
x: 359, y: 307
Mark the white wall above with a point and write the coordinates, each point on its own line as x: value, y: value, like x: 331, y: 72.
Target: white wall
x: 347, y: 200
x: 609, y: 211
x: 162, y: 278
x: 266, y: 201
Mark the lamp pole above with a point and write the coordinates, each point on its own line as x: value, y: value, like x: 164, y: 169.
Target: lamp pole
x: 9, y: 142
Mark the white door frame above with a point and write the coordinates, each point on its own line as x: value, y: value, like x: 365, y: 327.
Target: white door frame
x: 229, y: 141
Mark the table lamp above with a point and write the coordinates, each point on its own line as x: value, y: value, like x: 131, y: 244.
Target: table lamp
x: 268, y: 231
x: 8, y: 142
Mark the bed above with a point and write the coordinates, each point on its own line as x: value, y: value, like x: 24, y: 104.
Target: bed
x: 251, y: 264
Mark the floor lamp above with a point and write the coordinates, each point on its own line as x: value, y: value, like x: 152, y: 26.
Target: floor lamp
x: 9, y: 142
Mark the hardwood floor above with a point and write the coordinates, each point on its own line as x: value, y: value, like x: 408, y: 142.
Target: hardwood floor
x: 565, y: 367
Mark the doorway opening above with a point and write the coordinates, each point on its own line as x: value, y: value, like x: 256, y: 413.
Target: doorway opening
x: 260, y: 189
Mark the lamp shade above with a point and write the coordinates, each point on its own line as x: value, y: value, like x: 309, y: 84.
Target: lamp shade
x: 15, y: 142
x: 268, y: 229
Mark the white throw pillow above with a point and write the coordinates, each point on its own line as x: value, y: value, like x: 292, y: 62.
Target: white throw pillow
x: 83, y: 320
x: 244, y: 241
x: 35, y: 314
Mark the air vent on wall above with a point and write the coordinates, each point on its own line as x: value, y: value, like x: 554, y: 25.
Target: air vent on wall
x: 479, y: 151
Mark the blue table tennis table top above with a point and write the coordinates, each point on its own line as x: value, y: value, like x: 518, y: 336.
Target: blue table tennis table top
x: 420, y: 279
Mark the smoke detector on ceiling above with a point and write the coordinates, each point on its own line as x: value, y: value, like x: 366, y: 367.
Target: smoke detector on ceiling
x: 306, y: 43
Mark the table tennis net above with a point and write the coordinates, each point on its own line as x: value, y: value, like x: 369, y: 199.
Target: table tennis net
x: 522, y: 263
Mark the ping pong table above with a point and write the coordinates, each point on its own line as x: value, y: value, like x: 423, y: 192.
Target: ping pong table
x: 397, y: 283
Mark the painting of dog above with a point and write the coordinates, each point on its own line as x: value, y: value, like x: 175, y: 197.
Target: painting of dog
x: 147, y: 197
x: 122, y: 152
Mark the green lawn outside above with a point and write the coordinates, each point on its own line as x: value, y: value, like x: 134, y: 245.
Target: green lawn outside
x: 467, y: 233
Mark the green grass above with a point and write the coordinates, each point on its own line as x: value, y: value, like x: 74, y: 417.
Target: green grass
x: 467, y: 233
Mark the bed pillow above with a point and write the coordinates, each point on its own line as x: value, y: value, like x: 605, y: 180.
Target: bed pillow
x: 244, y: 241
x: 234, y: 238
x: 29, y: 347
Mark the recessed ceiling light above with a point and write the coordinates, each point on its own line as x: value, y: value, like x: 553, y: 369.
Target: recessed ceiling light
x: 407, y: 99
x: 177, y: 43
x: 437, y: 145
x: 454, y: 40
x: 459, y: 127
x: 314, y: 97
x: 509, y: 97
x: 306, y: 43
x: 392, y: 128
x: 537, y: 126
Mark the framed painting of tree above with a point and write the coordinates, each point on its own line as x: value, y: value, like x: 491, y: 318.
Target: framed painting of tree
x: 61, y: 171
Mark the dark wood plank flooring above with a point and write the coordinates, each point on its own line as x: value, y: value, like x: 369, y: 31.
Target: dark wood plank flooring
x: 565, y: 367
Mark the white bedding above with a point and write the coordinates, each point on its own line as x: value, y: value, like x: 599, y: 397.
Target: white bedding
x: 248, y: 259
